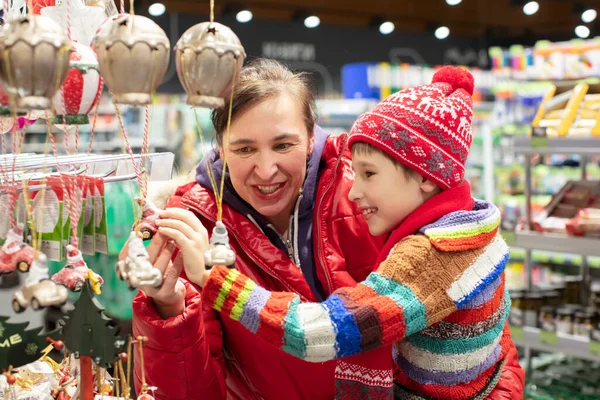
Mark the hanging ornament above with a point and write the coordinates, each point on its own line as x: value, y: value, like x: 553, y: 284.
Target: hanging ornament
x: 39, y: 291
x: 136, y: 269
x: 75, y: 272
x: 219, y: 251
x: 37, y: 5
x: 82, y: 22
x: 133, y: 57
x: 34, y: 59
x: 81, y: 88
x: 150, y: 213
x: 15, y: 254
x: 205, y: 56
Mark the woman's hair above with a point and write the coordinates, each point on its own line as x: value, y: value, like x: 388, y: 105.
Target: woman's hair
x: 262, y: 79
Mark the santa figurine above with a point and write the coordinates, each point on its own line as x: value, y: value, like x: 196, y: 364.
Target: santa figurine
x: 15, y: 253
x: 75, y: 272
x: 150, y: 213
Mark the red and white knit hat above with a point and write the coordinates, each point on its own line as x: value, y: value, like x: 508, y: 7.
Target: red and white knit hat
x: 427, y: 128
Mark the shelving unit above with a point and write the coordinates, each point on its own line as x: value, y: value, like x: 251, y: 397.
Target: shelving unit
x: 570, y: 345
x: 532, y: 240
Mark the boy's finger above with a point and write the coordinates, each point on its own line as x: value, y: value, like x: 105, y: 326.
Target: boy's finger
x: 164, y: 258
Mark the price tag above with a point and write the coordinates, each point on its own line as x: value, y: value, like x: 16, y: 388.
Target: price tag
x: 517, y: 332
x: 549, y: 337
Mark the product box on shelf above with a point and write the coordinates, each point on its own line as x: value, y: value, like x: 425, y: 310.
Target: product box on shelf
x: 565, y: 206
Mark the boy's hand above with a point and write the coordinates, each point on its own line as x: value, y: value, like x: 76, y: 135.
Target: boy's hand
x: 190, y: 236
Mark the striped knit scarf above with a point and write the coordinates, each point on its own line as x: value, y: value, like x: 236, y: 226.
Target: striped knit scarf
x: 439, y: 295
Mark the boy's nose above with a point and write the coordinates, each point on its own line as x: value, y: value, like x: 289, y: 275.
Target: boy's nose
x: 354, y: 193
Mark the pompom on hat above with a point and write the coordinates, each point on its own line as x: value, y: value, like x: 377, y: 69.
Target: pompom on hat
x: 427, y: 128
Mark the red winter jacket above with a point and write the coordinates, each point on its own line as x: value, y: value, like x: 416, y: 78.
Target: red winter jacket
x: 197, y: 355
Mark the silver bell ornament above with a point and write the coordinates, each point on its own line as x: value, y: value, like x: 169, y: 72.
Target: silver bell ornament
x: 206, y: 56
x: 34, y: 60
x: 133, y: 57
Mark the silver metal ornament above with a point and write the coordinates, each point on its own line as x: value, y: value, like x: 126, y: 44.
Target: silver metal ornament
x: 206, y: 56
x: 133, y: 57
x: 34, y: 60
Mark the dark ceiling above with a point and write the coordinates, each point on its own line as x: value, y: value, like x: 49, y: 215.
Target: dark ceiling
x: 489, y: 18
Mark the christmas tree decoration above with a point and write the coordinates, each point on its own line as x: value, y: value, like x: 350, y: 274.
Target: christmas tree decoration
x: 150, y: 214
x: 81, y: 89
x: 209, y: 57
x: 133, y: 57
x: 20, y: 346
x: 87, y: 332
x: 75, y: 271
x: 80, y: 21
x: 39, y: 291
x: 136, y: 269
x: 15, y: 254
x: 219, y: 251
x: 34, y: 62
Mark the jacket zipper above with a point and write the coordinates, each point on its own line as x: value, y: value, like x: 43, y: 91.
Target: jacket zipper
x: 318, y: 211
x: 263, y: 266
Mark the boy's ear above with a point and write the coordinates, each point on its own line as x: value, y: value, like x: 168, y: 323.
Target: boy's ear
x: 427, y: 186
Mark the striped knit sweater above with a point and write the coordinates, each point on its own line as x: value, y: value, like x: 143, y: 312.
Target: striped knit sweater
x: 439, y: 297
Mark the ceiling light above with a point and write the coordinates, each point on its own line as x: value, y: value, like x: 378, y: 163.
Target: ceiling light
x: 531, y: 8
x: 582, y: 31
x: 386, y: 28
x: 442, y: 32
x: 157, y: 9
x: 453, y: 2
x: 244, y: 16
x: 312, y: 22
x: 589, y: 15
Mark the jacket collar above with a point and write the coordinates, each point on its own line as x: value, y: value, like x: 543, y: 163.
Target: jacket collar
x: 449, y: 201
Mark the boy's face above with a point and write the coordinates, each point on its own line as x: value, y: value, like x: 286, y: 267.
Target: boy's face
x: 384, y: 192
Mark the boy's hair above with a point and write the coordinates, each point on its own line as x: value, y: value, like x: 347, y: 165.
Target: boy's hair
x: 368, y: 149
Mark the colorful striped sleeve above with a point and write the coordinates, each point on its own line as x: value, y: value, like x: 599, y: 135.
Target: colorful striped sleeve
x: 411, y: 290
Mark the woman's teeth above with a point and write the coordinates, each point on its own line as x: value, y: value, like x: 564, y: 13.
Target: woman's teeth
x: 269, y: 189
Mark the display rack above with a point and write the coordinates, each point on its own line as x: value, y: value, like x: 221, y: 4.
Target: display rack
x: 566, y: 344
x: 532, y: 240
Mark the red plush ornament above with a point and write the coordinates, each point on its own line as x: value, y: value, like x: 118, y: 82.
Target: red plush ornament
x: 457, y: 77
x: 11, y: 379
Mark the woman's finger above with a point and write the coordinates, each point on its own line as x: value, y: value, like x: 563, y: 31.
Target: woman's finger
x: 180, y: 239
x: 179, y: 225
x: 155, y: 247
x: 185, y: 216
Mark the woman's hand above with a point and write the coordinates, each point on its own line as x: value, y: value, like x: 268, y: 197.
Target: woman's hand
x: 169, y: 298
x: 190, y: 236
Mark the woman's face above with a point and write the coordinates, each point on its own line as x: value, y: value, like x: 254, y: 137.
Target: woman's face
x: 268, y: 148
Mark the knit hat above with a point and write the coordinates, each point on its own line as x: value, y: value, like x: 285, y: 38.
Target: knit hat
x: 427, y: 128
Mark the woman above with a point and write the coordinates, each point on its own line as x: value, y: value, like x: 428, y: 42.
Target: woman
x: 293, y: 229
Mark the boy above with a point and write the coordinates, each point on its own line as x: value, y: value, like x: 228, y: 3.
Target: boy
x: 438, y: 294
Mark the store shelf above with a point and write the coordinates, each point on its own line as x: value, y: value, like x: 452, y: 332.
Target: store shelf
x: 567, y: 344
x: 557, y: 243
x: 565, y: 145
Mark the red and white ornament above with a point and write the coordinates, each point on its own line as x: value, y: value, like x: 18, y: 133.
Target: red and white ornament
x: 81, y: 89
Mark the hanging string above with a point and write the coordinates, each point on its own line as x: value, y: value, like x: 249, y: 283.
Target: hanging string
x: 5, y: 11
x: 128, y: 146
x: 68, y: 28
x: 131, y: 7
x: 122, y: 6
x: 226, y: 143
x: 145, y: 152
x: 7, y: 181
x: 212, y: 11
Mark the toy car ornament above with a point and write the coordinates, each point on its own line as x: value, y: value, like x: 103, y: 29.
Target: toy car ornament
x: 219, y: 251
x: 136, y: 269
x: 39, y: 291
x: 75, y: 272
x: 150, y: 214
x: 15, y: 254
